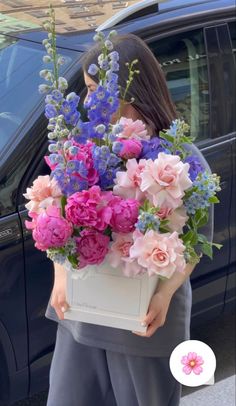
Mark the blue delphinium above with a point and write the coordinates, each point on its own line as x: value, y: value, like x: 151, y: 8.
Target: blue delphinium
x: 101, y: 105
x: 68, y: 109
x: 151, y: 148
x: 50, y: 111
x: 107, y: 164
x: 195, y: 166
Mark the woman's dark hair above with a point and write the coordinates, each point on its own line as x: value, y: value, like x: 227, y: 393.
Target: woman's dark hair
x: 149, y: 89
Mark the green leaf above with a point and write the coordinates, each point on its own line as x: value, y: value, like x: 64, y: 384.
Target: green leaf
x: 76, y: 232
x: 202, y: 238
x: 213, y: 199
x: 207, y: 249
x: 164, y: 229
x: 219, y: 246
x: 190, y: 237
x: 108, y: 231
x: 201, y: 217
x: 63, y: 203
x: 73, y: 260
x: 164, y: 222
x: 169, y: 137
x: 186, y: 139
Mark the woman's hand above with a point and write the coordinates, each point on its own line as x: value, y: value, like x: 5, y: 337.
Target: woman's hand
x: 157, y: 312
x: 58, y: 296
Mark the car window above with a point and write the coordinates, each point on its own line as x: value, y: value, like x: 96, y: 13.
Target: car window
x: 20, y: 64
x: 232, y: 29
x: 183, y: 59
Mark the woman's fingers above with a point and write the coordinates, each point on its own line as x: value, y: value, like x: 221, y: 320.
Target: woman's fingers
x: 153, y: 322
x: 148, y: 319
x: 153, y: 327
x: 60, y: 306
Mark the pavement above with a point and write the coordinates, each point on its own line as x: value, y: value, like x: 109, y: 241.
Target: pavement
x: 219, y: 334
x: 221, y: 393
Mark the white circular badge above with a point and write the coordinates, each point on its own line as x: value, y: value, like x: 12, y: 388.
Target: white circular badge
x: 193, y: 363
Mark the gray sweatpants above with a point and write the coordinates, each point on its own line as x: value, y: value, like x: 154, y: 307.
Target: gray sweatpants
x: 82, y: 375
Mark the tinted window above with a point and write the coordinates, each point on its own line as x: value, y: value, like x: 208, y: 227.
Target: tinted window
x: 19, y: 79
x: 183, y: 59
x: 232, y: 29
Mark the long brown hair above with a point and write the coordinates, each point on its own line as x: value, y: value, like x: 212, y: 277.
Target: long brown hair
x: 151, y: 96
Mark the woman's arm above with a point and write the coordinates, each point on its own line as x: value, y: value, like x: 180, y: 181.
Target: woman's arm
x: 161, y: 299
x: 169, y: 286
x: 58, y: 296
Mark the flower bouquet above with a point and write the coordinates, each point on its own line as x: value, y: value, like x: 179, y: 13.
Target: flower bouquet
x: 120, y: 210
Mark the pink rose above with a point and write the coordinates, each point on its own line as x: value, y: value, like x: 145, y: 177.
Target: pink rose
x: 161, y: 254
x: 177, y: 218
x: 88, y: 208
x: 133, y: 129
x: 127, y: 183
x: 164, y: 212
x: 45, y: 192
x: 130, y: 148
x: 119, y: 248
x: 165, y: 180
x: 118, y: 255
x: 92, y: 247
x: 50, y: 229
x: 124, y: 214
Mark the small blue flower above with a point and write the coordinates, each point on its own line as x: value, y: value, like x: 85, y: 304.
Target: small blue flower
x: 104, y: 64
x: 114, y: 66
x: 114, y: 56
x: 93, y: 69
x: 57, y: 95
x: 117, y: 147
x: 50, y: 111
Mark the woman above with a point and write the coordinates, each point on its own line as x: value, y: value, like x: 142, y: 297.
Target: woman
x: 103, y: 366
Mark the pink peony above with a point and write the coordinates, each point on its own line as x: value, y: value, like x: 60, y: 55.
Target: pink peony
x: 88, y: 208
x: 192, y: 363
x: 130, y: 148
x: 92, y: 247
x: 124, y: 214
x: 165, y: 180
x: 161, y: 254
x: 127, y: 184
x: 133, y: 129
x: 50, y: 229
x: 45, y: 192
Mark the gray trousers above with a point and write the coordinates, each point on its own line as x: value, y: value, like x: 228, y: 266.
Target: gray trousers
x: 82, y: 375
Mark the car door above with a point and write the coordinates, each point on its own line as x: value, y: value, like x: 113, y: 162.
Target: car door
x: 193, y: 78
x: 26, y: 336
x: 230, y: 296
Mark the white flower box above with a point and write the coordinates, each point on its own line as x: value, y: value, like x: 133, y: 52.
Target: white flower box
x: 106, y: 297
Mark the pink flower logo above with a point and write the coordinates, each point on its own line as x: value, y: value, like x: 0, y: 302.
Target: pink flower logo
x: 192, y: 362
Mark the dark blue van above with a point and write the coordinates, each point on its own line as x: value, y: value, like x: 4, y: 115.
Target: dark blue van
x: 195, y: 43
